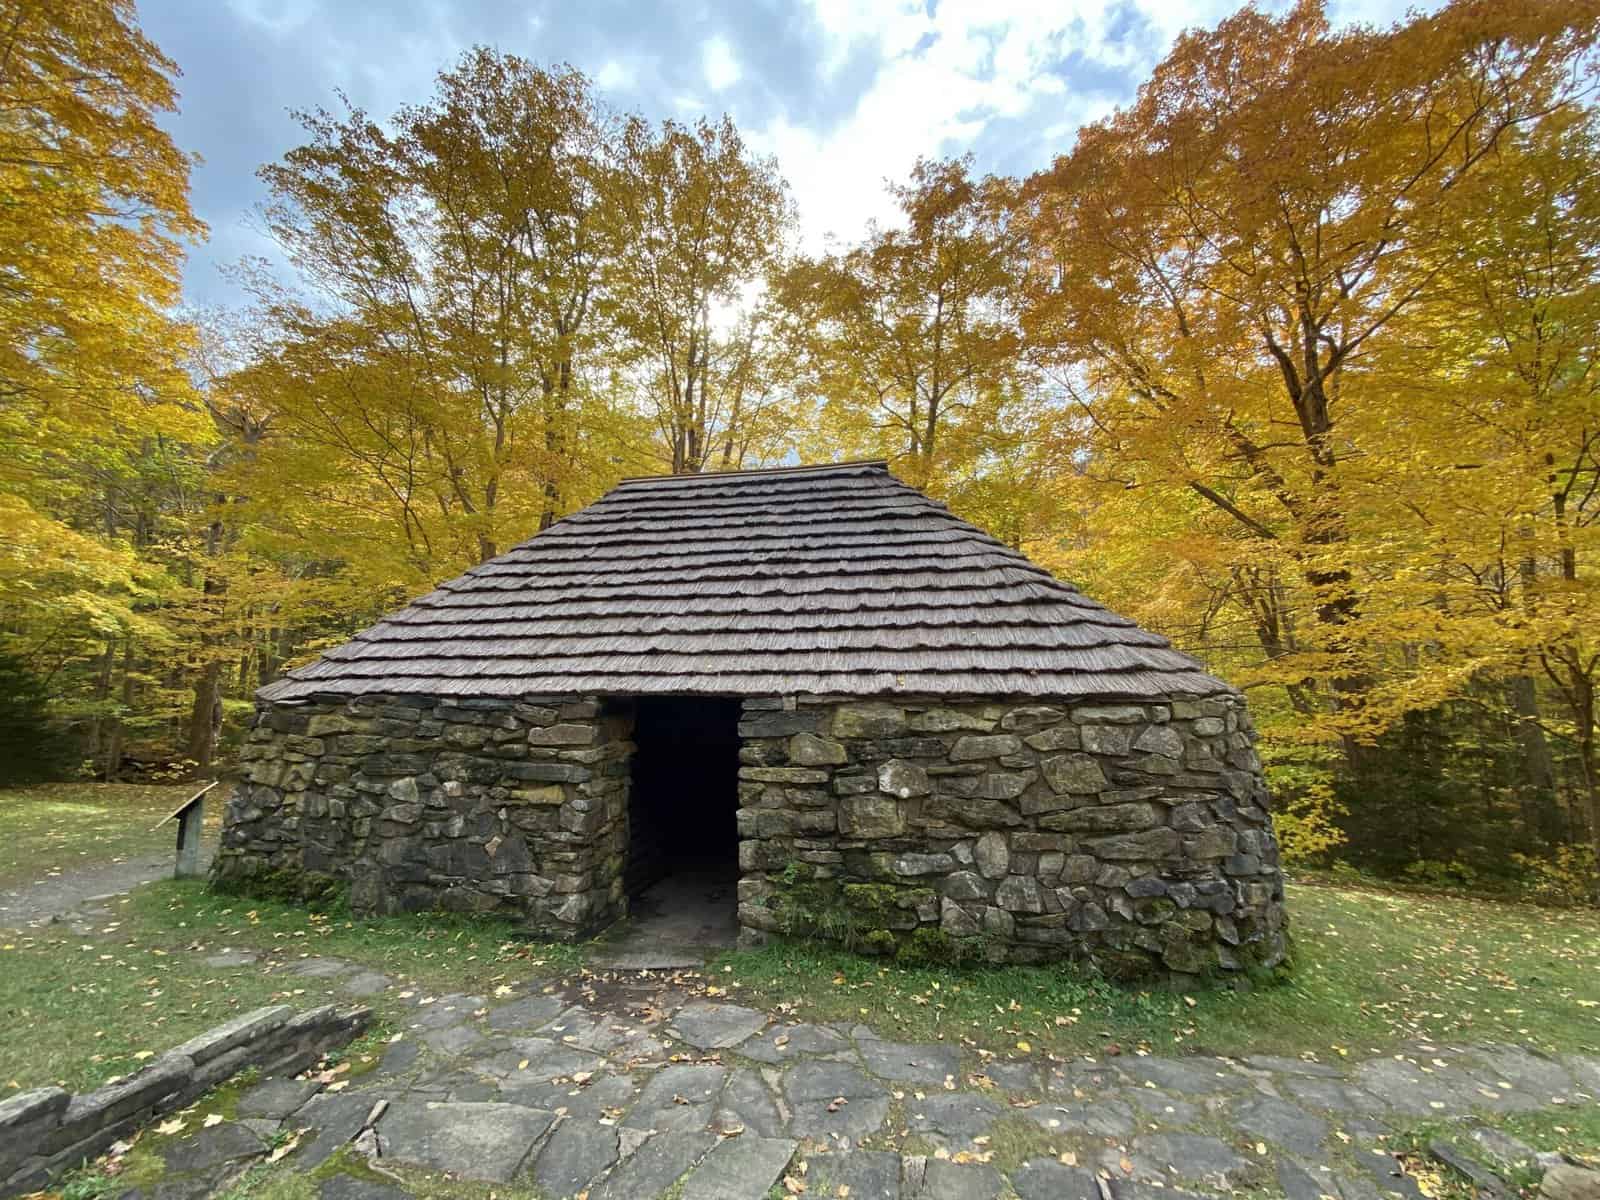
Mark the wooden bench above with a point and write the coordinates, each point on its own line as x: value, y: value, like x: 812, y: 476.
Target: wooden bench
x: 190, y: 816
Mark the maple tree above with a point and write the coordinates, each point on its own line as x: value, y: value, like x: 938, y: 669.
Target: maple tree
x: 705, y: 220
x: 1292, y: 359
x: 1233, y: 278
x: 96, y: 410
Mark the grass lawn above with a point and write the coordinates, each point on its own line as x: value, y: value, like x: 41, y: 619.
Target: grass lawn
x: 58, y: 826
x: 139, y: 985
x: 1372, y: 969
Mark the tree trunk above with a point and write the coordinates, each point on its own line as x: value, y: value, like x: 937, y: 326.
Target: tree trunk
x: 205, y: 714
x: 205, y: 717
x: 114, y: 743
x: 1539, y: 780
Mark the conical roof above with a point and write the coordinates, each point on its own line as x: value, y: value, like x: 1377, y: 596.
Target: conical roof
x: 833, y: 580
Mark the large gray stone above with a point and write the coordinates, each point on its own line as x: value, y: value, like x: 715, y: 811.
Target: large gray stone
x: 576, y: 1154
x: 655, y: 1166
x: 1148, y: 844
x: 951, y: 1118
x: 708, y: 1026
x: 678, y: 1097
x: 529, y: 1012
x: 748, y: 1104
x: 1106, y: 739
x: 1073, y: 774
x: 1019, y: 894
x: 1160, y: 739
x: 740, y: 1168
x: 833, y: 1100
x: 354, y: 1187
x: 33, y: 1109
x: 868, y: 1174
x: 868, y: 720
x: 976, y: 746
x: 809, y: 750
x: 903, y: 779
x: 782, y: 1043
x: 1190, y: 1156
x: 992, y: 855
x: 1186, y: 1076
x: 930, y: 1179
x: 1280, y: 1124
x: 1031, y: 718
x: 1047, y: 1179
x: 333, y: 1121
x: 908, y: 1062
x: 211, y: 1147
x: 276, y: 1098
x: 248, y: 1027
x: 486, y: 1141
x: 871, y: 816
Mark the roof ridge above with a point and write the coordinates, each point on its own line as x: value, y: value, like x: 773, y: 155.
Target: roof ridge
x: 794, y: 470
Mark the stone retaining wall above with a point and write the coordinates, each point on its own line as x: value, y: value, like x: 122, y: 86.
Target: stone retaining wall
x: 48, y: 1131
x: 482, y: 806
x: 1136, y: 835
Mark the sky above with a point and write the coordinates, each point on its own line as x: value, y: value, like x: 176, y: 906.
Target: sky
x: 846, y: 93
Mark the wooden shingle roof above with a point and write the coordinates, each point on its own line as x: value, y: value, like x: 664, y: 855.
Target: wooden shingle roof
x: 833, y: 580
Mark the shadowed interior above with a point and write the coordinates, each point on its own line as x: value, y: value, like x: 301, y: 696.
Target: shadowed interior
x: 685, y: 795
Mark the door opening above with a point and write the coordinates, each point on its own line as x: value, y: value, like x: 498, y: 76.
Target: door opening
x: 683, y: 842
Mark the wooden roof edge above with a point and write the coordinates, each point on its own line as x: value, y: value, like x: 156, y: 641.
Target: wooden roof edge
x: 751, y: 471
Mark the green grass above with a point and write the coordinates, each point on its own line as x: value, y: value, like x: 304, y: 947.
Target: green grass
x: 1574, y: 1132
x: 1372, y: 969
x: 56, y: 827
x: 93, y: 1005
x: 439, y: 951
x: 98, y: 1007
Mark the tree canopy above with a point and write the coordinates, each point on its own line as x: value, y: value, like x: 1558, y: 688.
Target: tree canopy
x: 1291, y: 359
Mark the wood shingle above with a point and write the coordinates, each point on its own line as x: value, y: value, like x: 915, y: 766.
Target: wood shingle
x: 833, y: 580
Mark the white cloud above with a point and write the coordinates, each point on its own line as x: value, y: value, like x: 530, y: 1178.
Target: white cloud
x: 943, y: 79
x: 613, y: 76
x: 721, y: 68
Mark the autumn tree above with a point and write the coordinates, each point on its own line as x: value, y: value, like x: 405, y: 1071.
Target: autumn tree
x: 913, y: 330
x: 1216, y: 268
x: 95, y: 407
x: 705, y: 220
x: 456, y: 262
x: 1317, y: 338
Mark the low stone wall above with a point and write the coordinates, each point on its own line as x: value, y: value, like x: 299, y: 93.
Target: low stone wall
x: 48, y: 1131
x: 1135, y: 835
x: 415, y: 804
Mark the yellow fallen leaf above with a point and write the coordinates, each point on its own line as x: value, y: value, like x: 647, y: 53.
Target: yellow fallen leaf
x: 213, y: 1119
x: 168, y: 1128
x: 1024, y: 1047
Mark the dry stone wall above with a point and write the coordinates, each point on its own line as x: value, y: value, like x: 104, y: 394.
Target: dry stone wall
x: 518, y: 809
x: 48, y: 1131
x: 1135, y: 835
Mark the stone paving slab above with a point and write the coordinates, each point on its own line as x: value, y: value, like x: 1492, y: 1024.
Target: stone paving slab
x: 741, y: 1168
x: 716, y: 1026
x: 632, y: 1089
x: 473, y: 1141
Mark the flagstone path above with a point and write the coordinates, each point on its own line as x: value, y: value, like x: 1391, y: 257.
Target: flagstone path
x: 627, y: 1086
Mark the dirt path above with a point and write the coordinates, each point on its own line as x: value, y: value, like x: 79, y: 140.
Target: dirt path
x: 56, y: 897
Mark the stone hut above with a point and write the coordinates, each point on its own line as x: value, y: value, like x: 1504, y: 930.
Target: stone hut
x: 877, y: 722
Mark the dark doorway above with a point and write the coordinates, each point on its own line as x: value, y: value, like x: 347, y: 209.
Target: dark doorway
x: 683, y: 842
